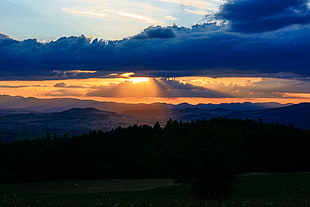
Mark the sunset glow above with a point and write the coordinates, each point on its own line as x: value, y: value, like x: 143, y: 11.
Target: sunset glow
x: 139, y: 80
x: 126, y: 88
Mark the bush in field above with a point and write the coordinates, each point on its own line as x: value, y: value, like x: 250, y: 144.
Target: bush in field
x: 212, y: 186
x: 208, y: 155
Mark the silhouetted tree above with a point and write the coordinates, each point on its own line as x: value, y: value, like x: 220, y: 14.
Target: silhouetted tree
x: 205, y: 153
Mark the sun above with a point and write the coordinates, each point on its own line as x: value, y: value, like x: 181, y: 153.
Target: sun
x: 139, y: 79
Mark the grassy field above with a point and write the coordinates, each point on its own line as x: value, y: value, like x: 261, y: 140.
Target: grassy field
x: 255, y: 190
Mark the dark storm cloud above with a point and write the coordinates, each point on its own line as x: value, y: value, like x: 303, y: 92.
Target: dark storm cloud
x: 169, y: 51
x: 156, y: 32
x: 252, y: 16
x: 171, y: 88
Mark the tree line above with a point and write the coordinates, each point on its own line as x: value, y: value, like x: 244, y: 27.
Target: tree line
x: 206, y: 153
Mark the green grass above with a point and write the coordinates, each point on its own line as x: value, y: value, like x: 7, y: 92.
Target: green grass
x: 292, y: 185
x: 88, y: 186
x: 260, y: 190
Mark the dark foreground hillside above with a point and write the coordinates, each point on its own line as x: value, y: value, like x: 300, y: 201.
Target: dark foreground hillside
x: 206, y: 154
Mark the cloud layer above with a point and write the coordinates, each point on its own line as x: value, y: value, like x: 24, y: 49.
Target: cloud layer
x: 252, y: 16
x: 281, y: 44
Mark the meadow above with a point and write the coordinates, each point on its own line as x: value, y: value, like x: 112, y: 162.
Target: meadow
x: 250, y: 190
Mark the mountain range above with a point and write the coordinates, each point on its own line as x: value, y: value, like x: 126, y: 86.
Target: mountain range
x: 31, y: 118
x: 19, y: 104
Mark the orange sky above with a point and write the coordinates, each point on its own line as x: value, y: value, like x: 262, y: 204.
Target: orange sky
x: 126, y: 88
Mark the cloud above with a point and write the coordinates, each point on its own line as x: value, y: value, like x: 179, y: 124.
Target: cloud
x: 155, y: 88
x: 4, y: 37
x: 6, y: 40
x: 255, y: 16
x: 199, y: 12
x: 156, y: 32
x: 173, y: 88
x: 64, y: 93
x: 201, y: 4
x: 170, y: 18
x: 112, y: 14
x: 206, y: 49
x: 268, y: 88
x: 64, y: 85
x: 249, y: 87
x: 198, y: 7
x: 12, y: 86
x: 60, y: 85
x: 120, y: 10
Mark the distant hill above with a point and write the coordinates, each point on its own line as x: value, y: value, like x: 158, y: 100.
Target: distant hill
x: 30, y: 118
x: 73, y: 122
x: 297, y: 115
x: 62, y: 104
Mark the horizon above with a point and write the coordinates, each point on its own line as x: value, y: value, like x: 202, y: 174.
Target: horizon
x: 172, y: 102
x: 130, y: 89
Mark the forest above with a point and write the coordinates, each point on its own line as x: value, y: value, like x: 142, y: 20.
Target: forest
x: 205, y: 153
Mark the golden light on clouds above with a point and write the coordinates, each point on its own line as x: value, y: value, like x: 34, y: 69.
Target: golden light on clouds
x: 296, y: 95
x: 127, y: 75
x: 127, y: 88
x: 218, y: 82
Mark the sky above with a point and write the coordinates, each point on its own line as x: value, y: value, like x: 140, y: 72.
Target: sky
x: 172, y: 51
x: 104, y: 19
